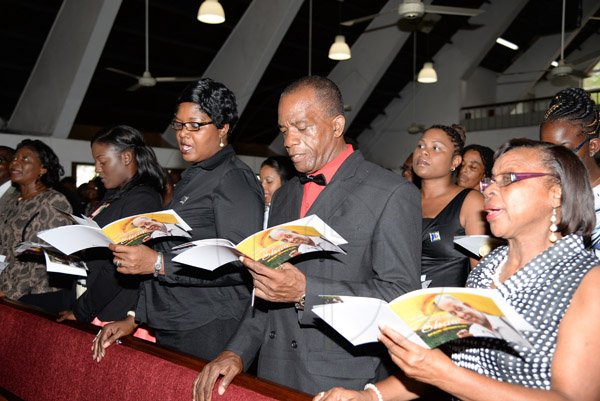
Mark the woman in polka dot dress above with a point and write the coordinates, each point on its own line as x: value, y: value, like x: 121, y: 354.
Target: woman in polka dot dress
x: 540, y: 200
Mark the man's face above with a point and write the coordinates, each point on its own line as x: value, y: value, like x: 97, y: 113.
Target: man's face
x: 310, y: 136
x: 462, y: 311
x: 5, y: 159
x: 292, y: 237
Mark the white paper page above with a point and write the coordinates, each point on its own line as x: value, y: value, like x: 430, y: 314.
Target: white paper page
x: 358, y: 319
x: 3, y: 263
x: 53, y: 267
x: 479, y: 245
x: 209, y: 254
x: 73, y: 238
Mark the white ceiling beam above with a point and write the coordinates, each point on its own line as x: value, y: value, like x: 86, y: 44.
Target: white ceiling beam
x: 59, y: 80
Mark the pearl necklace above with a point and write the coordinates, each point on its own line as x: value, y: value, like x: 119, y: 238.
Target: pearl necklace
x: 497, y: 272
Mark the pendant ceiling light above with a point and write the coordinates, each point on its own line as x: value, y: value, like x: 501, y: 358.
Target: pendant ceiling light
x: 211, y: 12
x: 427, y: 75
x: 339, y: 50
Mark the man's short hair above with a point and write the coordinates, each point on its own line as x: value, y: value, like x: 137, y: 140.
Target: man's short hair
x: 327, y: 91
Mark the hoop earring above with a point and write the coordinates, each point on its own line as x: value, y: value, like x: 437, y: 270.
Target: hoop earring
x: 553, y: 227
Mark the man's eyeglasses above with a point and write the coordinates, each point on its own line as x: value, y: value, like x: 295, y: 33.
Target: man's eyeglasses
x: 502, y: 180
x: 190, y: 125
x: 578, y: 147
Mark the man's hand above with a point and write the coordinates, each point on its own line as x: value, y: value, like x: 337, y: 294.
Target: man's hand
x: 137, y: 259
x: 66, y: 315
x: 110, y: 334
x: 284, y: 284
x: 227, y: 364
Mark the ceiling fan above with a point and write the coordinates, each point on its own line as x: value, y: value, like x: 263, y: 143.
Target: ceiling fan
x: 413, y: 9
x: 146, y: 79
x: 562, y: 72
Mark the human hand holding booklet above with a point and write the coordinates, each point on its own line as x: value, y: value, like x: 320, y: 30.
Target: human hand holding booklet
x: 428, y: 317
x: 132, y: 230
x: 271, y: 247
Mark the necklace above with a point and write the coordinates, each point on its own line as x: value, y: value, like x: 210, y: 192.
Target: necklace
x: 497, y: 272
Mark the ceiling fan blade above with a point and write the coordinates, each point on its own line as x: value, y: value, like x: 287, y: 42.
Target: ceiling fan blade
x: 466, y: 12
x: 177, y: 79
x: 117, y: 71
x: 134, y: 87
x: 579, y: 74
x: 523, y: 72
x: 365, y: 18
x: 378, y: 28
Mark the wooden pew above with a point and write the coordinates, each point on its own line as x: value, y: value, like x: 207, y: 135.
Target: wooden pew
x: 41, y: 360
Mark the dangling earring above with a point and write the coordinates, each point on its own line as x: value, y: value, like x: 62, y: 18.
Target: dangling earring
x: 221, y: 144
x: 553, y: 227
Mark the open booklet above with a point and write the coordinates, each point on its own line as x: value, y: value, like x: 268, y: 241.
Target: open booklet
x: 428, y: 317
x: 56, y: 262
x: 132, y: 230
x: 479, y: 245
x: 271, y: 247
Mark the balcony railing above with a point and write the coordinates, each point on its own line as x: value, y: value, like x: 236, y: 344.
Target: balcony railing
x: 521, y: 113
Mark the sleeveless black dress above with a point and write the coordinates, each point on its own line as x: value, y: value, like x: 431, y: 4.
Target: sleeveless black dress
x: 441, y: 262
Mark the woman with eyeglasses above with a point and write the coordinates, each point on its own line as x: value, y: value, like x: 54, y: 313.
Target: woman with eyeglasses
x: 573, y: 120
x: 448, y: 210
x: 193, y: 310
x: 540, y: 200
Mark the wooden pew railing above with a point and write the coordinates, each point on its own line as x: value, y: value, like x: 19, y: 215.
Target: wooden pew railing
x: 43, y: 360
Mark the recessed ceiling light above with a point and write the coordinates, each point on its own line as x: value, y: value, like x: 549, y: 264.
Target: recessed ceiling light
x: 506, y: 43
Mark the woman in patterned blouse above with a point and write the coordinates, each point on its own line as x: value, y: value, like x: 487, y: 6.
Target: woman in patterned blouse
x: 35, y: 169
x: 540, y: 200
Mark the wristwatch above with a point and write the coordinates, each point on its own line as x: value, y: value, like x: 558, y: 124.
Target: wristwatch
x: 300, y: 303
x: 158, y: 264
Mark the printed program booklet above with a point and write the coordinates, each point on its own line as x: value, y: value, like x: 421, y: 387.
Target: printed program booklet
x: 428, y: 317
x: 132, y: 230
x: 478, y: 245
x: 56, y: 262
x: 271, y: 247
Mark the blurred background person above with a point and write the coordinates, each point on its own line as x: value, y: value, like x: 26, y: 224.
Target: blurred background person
x: 35, y: 206
x: 448, y: 210
x: 477, y: 162
x: 540, y: 200
x: 274, y: 172
x: 6, y: 185
x: 572, y: 120
x: 68, y: 187
x: 408, y: 172
x: 128, y: 168
x: 192, y: 310
x: 94, y: 193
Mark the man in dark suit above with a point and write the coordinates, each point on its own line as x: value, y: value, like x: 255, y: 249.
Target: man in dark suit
x: 376, y: 211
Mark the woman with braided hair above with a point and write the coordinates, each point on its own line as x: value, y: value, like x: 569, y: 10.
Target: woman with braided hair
x: 448, y: 210
x: 572, y: 120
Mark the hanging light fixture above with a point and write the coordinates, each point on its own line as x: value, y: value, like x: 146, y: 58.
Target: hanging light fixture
x: 427, y: 75
x: 339, y: 50
x: 211, y: 12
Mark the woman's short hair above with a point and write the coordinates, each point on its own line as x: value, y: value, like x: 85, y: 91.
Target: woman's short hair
x: 457, y: 134
x: 48, y: 160
x: 486, y: 154
x: 577, y: 201
x: 124, y: 137
x: 282, y: 165
x: 214, y: 99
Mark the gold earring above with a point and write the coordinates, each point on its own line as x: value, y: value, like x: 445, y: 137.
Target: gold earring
x: 452, y: 169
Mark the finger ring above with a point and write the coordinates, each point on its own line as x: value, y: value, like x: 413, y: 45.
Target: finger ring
x: 118, y: 263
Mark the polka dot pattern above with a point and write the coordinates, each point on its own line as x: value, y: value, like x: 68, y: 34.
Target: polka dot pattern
x: 541, y: 292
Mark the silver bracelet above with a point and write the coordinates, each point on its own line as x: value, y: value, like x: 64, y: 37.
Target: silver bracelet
x: 371, y: 386
x: 158, y: 264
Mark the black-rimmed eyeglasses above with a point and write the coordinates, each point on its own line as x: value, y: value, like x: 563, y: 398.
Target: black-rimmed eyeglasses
x: 190, y: 125
x: 503, y: 180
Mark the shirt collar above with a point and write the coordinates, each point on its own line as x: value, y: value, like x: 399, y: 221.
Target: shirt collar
x: 329, y: 169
